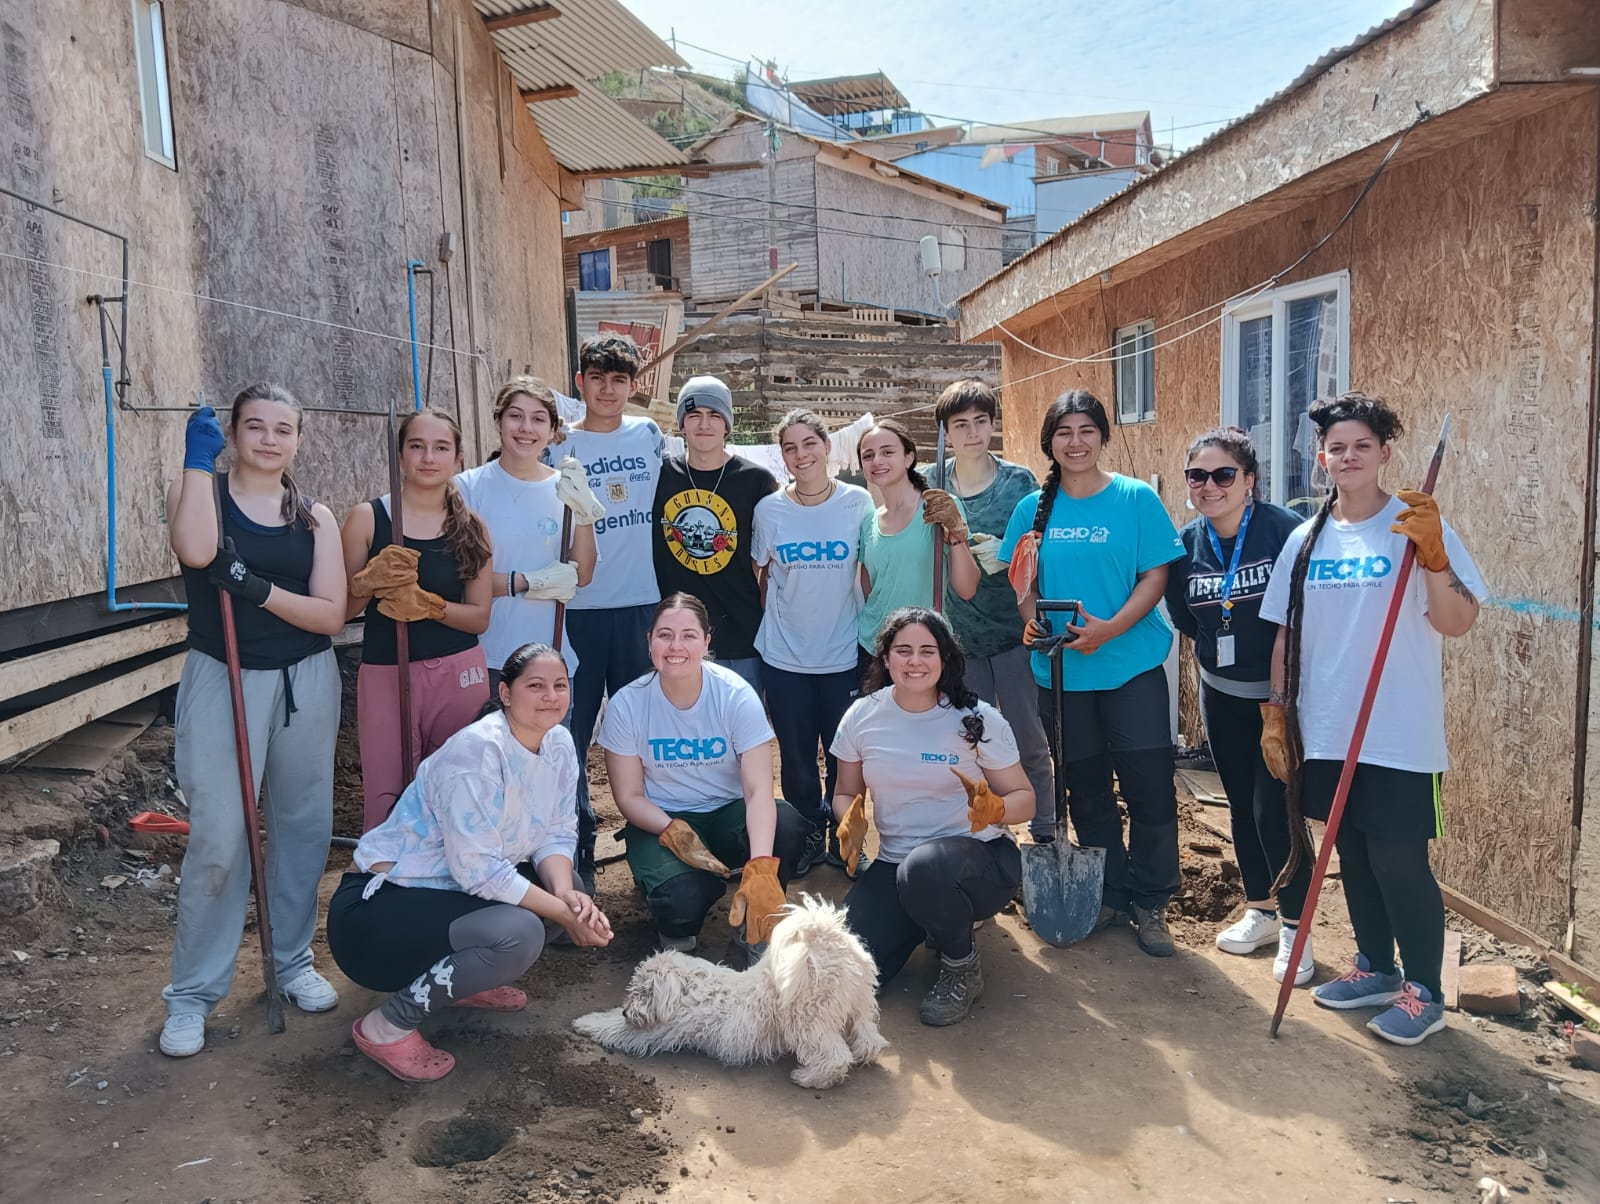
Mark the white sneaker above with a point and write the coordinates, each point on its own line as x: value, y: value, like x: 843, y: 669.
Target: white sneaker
x: 677, y: 944
x: 183, y: 1035
x: 1280, y: 964
x: 1255, y: 930
x: 310, y: 992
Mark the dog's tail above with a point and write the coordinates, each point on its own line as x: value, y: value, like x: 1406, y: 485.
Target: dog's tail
x: 813, y: 934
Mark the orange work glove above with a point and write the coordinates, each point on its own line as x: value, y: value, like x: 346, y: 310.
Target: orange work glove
x: 1032, y: 631
x: 939, y: 508
x: 684, y: 843
x: 1275, y: 741
x: 984, y: 806
x: 758, y: 901
x: 852, y: 831
x: 409, y: 603
x: 1025, y: 563
x: 1421, y: 524
x: 392, y: 568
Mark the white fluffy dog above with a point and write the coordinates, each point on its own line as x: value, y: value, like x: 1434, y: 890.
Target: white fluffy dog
x: 812, y: 995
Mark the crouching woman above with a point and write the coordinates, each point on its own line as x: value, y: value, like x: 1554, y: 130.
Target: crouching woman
x: 439, y: 911
x: 946, y: 779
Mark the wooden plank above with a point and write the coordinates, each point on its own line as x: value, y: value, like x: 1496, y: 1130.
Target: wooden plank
x: 1450, y: 980
x: 43, y: 669
x: 1509, y: 930
x: 523, y: 16
x: 533, y: 96
x: 36, y: 727
x: 1569, y: 998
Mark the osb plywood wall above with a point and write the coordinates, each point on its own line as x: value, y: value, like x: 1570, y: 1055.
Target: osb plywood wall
x: 314, y: 157
x: 1471, y: 291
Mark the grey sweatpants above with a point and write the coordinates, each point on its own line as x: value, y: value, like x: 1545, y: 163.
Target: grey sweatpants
x: 291, y: 756
x: 1006, y: 681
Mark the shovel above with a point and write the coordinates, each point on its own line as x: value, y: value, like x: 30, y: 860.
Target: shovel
x: 1061, y: 883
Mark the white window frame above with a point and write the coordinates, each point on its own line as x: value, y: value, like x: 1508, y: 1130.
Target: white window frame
x: 1275, y: 303
x: 1143, y: 407
x: 155, y: 92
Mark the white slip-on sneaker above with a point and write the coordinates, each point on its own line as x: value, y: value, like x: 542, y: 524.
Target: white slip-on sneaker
x: 1280, y: 964
x: 183, y: 1035
x: 310, y: 992
x: 1254, y: 930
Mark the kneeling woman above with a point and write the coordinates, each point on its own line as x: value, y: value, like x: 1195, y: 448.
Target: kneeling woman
x: 945, y: 859
x: 439, y: 911
x: 689, y: 756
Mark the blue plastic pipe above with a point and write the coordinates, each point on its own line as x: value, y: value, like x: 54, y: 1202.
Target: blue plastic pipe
x: 411, y: 300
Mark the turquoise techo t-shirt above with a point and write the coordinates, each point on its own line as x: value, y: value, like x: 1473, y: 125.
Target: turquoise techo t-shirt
x: 1092, y: 551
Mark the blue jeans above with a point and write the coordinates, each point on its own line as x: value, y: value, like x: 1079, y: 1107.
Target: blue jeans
x: 805, y: 709
x: 747, y: 667
x: 612, y: 647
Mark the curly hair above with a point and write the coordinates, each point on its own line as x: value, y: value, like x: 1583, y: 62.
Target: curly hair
x: 952, y: 685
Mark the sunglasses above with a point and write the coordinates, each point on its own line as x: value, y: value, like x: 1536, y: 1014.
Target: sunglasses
x: 1222, y: 476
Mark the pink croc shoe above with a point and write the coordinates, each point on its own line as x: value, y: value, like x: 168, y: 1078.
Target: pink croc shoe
x: 411, y: 1059
x: 495, y: 999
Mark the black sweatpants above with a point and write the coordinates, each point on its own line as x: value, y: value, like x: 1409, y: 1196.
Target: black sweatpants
x: 936, y: 893
x: 1256, y: 808
x: 1125, y: 730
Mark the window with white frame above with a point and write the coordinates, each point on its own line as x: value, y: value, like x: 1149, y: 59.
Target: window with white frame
x: 1281, y: 351
x: 594, y: 270
x: 155, y: 96
x: 1136, y: 372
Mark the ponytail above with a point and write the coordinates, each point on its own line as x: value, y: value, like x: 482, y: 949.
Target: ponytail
x: 469, y: 542
x: 295, y: 510
x: 1047, y: 497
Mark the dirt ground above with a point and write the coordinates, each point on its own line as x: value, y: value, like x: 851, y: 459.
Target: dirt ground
x: 1093, y: 1073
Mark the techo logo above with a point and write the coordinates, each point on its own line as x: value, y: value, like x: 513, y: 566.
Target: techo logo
x: 1368, y: 568
x: 808, y: 551
x: 943, y: 758
x: 685, y: 749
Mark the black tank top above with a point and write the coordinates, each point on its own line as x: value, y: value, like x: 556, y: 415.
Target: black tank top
x: 282, y: 555
x: 438, y: 573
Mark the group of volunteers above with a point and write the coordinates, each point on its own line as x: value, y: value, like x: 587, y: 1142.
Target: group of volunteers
x: 712, y: 612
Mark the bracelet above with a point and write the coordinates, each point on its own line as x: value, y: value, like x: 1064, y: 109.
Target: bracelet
x: 511, y: 583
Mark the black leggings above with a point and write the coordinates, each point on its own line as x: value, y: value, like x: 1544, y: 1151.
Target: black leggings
x: 1256, y: 808
x: 1392, y: 897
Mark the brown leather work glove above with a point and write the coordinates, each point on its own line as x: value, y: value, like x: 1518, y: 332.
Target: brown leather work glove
x: 392, y: 568
x: 1024, y: 563
x: 1275, y: 741
x: 684, y: 843
x: 940, y: 509
x: 984, y: 806
x: 409, y: 603
x: 1421, y: 524
x: 852, y: 831
x: 758, y: 901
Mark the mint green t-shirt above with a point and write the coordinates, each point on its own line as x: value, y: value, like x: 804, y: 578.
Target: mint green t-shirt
x: 1093, y: 550
x: 900, y: 568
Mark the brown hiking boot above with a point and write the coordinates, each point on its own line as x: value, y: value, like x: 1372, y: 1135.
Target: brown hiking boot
x: 1151, y: 925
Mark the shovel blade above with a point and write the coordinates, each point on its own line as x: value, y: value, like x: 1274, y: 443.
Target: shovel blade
x: 1061, y: 889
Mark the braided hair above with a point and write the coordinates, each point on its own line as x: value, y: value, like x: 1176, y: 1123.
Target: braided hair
x: 295, y: 510
x: 952, y: 686
x: 463, y: 530
x: 1073, y: 401
x: 1375, y: 414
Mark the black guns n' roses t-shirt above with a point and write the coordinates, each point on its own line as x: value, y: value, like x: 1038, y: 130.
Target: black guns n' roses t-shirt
x: 701, y: 545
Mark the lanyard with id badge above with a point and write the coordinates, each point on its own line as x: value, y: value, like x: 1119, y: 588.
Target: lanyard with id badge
x: 1225, y: 637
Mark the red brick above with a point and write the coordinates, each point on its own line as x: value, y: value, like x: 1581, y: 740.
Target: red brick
x: 1490, y: 989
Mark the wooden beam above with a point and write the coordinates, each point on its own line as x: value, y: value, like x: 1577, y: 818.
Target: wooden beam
x: 43, y: 669
x: 559, y: 92
x: 1509, y: 930
x: 30, y: 729
x: 523, y: 16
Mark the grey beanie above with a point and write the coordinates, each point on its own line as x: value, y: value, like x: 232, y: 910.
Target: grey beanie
x: 705, y: 393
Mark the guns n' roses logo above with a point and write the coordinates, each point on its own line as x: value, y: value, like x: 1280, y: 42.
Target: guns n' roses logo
x: 700, y: 530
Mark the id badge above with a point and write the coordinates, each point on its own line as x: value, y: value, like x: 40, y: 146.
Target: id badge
x: 1224, y: 651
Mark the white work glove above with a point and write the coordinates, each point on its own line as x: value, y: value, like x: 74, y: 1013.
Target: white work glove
x: 556, y: 582
x: 986, y: 551
x: 573, y: 490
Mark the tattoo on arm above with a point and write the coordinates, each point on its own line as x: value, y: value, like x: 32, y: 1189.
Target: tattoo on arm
x: 1460, y: 587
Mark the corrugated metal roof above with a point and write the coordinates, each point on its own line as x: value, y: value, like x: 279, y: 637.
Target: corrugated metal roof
x: 1317, y: 68
x: 589, y: 132
x: 1058, y: 127
x: 850, y: 94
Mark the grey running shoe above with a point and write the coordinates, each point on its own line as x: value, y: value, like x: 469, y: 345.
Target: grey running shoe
x: 835, y: 856
x: 1151, y: 925
x: 1110, y: 917
x: 954, y: 992
x: 814, y: 853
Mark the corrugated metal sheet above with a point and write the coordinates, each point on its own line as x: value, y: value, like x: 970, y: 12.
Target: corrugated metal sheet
x: 589, y: 132
x: 651, y: 309
x: 1058, y: 127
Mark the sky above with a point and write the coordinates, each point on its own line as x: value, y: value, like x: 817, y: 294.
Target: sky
x: 1195, y: 64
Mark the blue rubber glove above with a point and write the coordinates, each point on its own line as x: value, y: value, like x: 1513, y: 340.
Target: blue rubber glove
x: 202, y: 440
x: 229, y: 571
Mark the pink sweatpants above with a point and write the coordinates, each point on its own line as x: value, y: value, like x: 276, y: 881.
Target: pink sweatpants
x: 446, y: 695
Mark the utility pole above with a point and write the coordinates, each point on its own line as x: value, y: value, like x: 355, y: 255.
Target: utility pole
x: 772, y: 195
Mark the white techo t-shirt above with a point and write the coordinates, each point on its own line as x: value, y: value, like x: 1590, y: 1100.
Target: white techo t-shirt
x: 813, y: 583
x: 1349, y: 582
x: 623, y: 466
x: 906, y: 758
x: 524, y: 522
x: 691, y: 757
